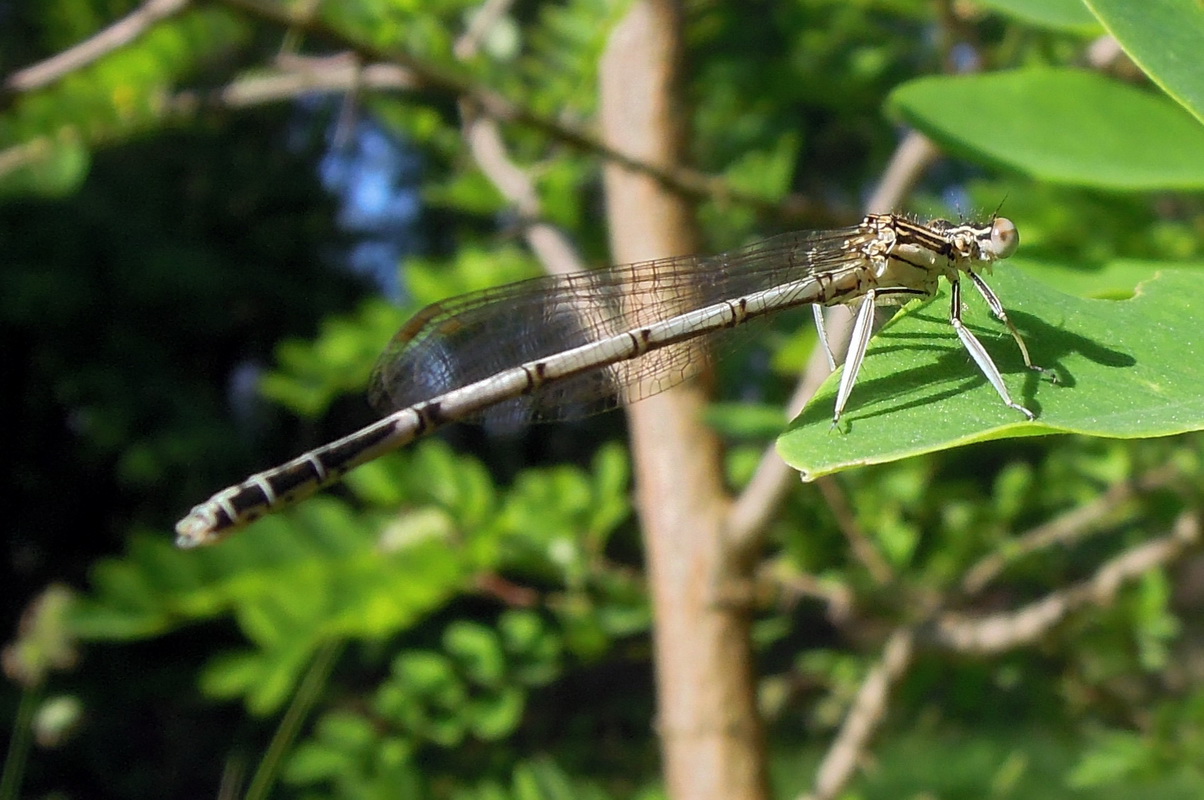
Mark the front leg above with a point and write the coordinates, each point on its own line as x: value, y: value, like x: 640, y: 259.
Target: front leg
x: 979, y: 353
x: 997, y: 307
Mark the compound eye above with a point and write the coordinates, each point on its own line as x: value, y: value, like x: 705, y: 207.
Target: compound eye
x: 1004, y: 238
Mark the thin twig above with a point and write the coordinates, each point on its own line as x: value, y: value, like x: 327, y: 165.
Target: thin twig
x: 484, y: 138
x: 1006, y: 631
x: 859, y: 542
x: 422, y: 74
x: 792, y: 585
x: 336, y: 74
x: 687, y: 182
x: 387, y: 68
x: 295, y: 76
x: 547, y: 242
x: 987, y: 636
x: 508, y: 592
x: 26, y: 153
x: 1074, y: 524
x: 865, y: 715
x: 483, y: 19
x: 117, y: 35
x: 20, y: 743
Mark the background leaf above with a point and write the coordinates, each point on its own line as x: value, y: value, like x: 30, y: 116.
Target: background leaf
x: 1165, y: 38
x: 1065, y: 15
x: 1064, y: 126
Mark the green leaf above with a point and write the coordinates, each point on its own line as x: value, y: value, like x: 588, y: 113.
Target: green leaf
x: 1165, y: 38
x: 312, y: 374
x: 533, y: 651
x: 1063, y: 15
x: 745, y: 419
x: 1155, y: 625
x: 611, y: 485
x: 1060, y: 125
x: 477, y: 650
x: 48, y: 166
x: 264, y: 677
x: 497, y: 715
x: 1128, y: 369
x: 766, y: 173
x: 1113, y: 280
x: 425, y: 672
x: 1117, y: 755
x: 466, y: 192
x: 347, y: 731
x: 312, y: 762
x: 473, y: 268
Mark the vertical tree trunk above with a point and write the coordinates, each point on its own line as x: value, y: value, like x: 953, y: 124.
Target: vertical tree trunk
x: 711, y: 736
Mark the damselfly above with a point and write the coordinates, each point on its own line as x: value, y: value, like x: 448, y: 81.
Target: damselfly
x: 561, y: 347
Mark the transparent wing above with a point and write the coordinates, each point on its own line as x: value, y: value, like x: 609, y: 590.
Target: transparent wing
x: 474, y: 336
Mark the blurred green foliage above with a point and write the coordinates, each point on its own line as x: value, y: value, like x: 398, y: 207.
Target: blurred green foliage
x: 468, y: 618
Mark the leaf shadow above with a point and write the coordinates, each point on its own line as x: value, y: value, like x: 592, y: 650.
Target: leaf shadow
x: 1049, y: 345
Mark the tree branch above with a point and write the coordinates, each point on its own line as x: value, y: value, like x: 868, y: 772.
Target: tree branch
x: 682, y: 180
x: 865, y: 715
x: 999, y: 632
x: 987, y: 635
x: 862, y: 546
x: 1074, y: 524
x: 117, y: 35
x: 295, y: 76
x: 484, y: 138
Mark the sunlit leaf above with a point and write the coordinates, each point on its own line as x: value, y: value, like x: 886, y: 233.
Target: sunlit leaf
x: 1128, y: 368
x: 1165, y: 38
x: 1066, y: 15
x: 1060, y: 125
